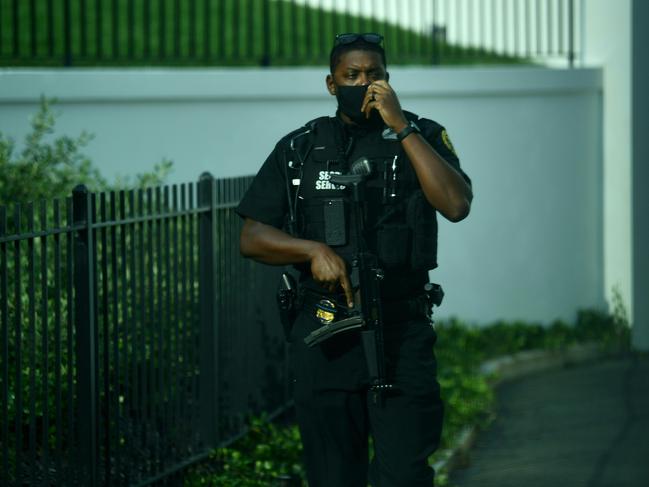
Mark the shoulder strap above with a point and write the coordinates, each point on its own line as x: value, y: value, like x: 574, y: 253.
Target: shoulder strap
x: 297, y: 147
x: 301, y: 141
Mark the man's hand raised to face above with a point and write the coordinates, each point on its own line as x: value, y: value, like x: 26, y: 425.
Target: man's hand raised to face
x: 381, y: 97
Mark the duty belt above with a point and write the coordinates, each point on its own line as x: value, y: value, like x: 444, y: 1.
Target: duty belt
x: 406, y: 309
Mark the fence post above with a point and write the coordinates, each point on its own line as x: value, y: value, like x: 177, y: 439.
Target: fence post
x: 85, y: 332
x: 67, y: 34
x: 265, y: 57
x: 208, y: 305
x: 571, y: 33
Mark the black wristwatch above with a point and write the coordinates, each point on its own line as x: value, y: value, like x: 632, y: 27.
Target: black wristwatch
x: 410, y: 128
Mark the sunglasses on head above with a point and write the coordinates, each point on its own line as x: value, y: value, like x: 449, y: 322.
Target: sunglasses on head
x: 349, y: 38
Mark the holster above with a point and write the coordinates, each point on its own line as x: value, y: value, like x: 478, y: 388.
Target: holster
x: 287, y: 303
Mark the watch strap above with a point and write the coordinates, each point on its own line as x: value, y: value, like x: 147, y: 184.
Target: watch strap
x: 410, y: 128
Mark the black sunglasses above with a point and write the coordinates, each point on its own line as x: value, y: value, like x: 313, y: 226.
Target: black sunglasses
x: 349, y: 38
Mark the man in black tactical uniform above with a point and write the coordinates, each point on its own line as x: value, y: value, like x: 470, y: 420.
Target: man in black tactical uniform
x: 295, y: 214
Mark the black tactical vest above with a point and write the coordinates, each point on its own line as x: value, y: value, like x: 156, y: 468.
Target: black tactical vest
x: 400, y: 225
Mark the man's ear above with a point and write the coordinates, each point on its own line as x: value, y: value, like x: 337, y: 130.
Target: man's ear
x: 331, y: 86
x: 387, y: 76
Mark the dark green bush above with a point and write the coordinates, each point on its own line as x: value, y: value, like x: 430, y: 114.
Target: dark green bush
x: 267, y: 455
x: 47, y: 168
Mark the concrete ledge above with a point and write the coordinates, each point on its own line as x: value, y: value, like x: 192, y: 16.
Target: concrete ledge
x: 520, y: 364
x: 510, y: 367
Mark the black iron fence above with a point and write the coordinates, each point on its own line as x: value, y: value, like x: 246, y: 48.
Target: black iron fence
x: 134, y: 338
x: 282, y: 32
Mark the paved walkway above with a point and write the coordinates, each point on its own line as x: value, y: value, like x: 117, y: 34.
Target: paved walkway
x: 586, y: 426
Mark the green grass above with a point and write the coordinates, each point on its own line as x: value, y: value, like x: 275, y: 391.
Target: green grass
x: 202, y: 33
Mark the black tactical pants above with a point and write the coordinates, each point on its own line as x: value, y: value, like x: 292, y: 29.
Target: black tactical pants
x: 336, y: 414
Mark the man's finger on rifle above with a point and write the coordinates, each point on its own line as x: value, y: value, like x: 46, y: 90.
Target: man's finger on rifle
x: 347, y: 287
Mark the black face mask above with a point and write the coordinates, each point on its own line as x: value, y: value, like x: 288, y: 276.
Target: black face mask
x: 350, y: 100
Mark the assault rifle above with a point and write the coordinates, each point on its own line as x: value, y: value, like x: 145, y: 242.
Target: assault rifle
x: 365, y: 276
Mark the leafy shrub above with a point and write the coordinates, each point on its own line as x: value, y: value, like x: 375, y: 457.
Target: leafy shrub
x: 50, y: 167
x: 267, y: 455
x: 34, y: 181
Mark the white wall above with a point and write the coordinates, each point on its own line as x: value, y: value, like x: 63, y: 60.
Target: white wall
x: 529, y: 137
x: 608, y: 44
x: 615, y: 39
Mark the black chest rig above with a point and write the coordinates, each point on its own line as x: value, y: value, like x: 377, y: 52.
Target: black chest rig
x: 400, y: 227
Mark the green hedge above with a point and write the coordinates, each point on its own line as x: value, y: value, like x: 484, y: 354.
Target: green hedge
x: 204, y: 33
